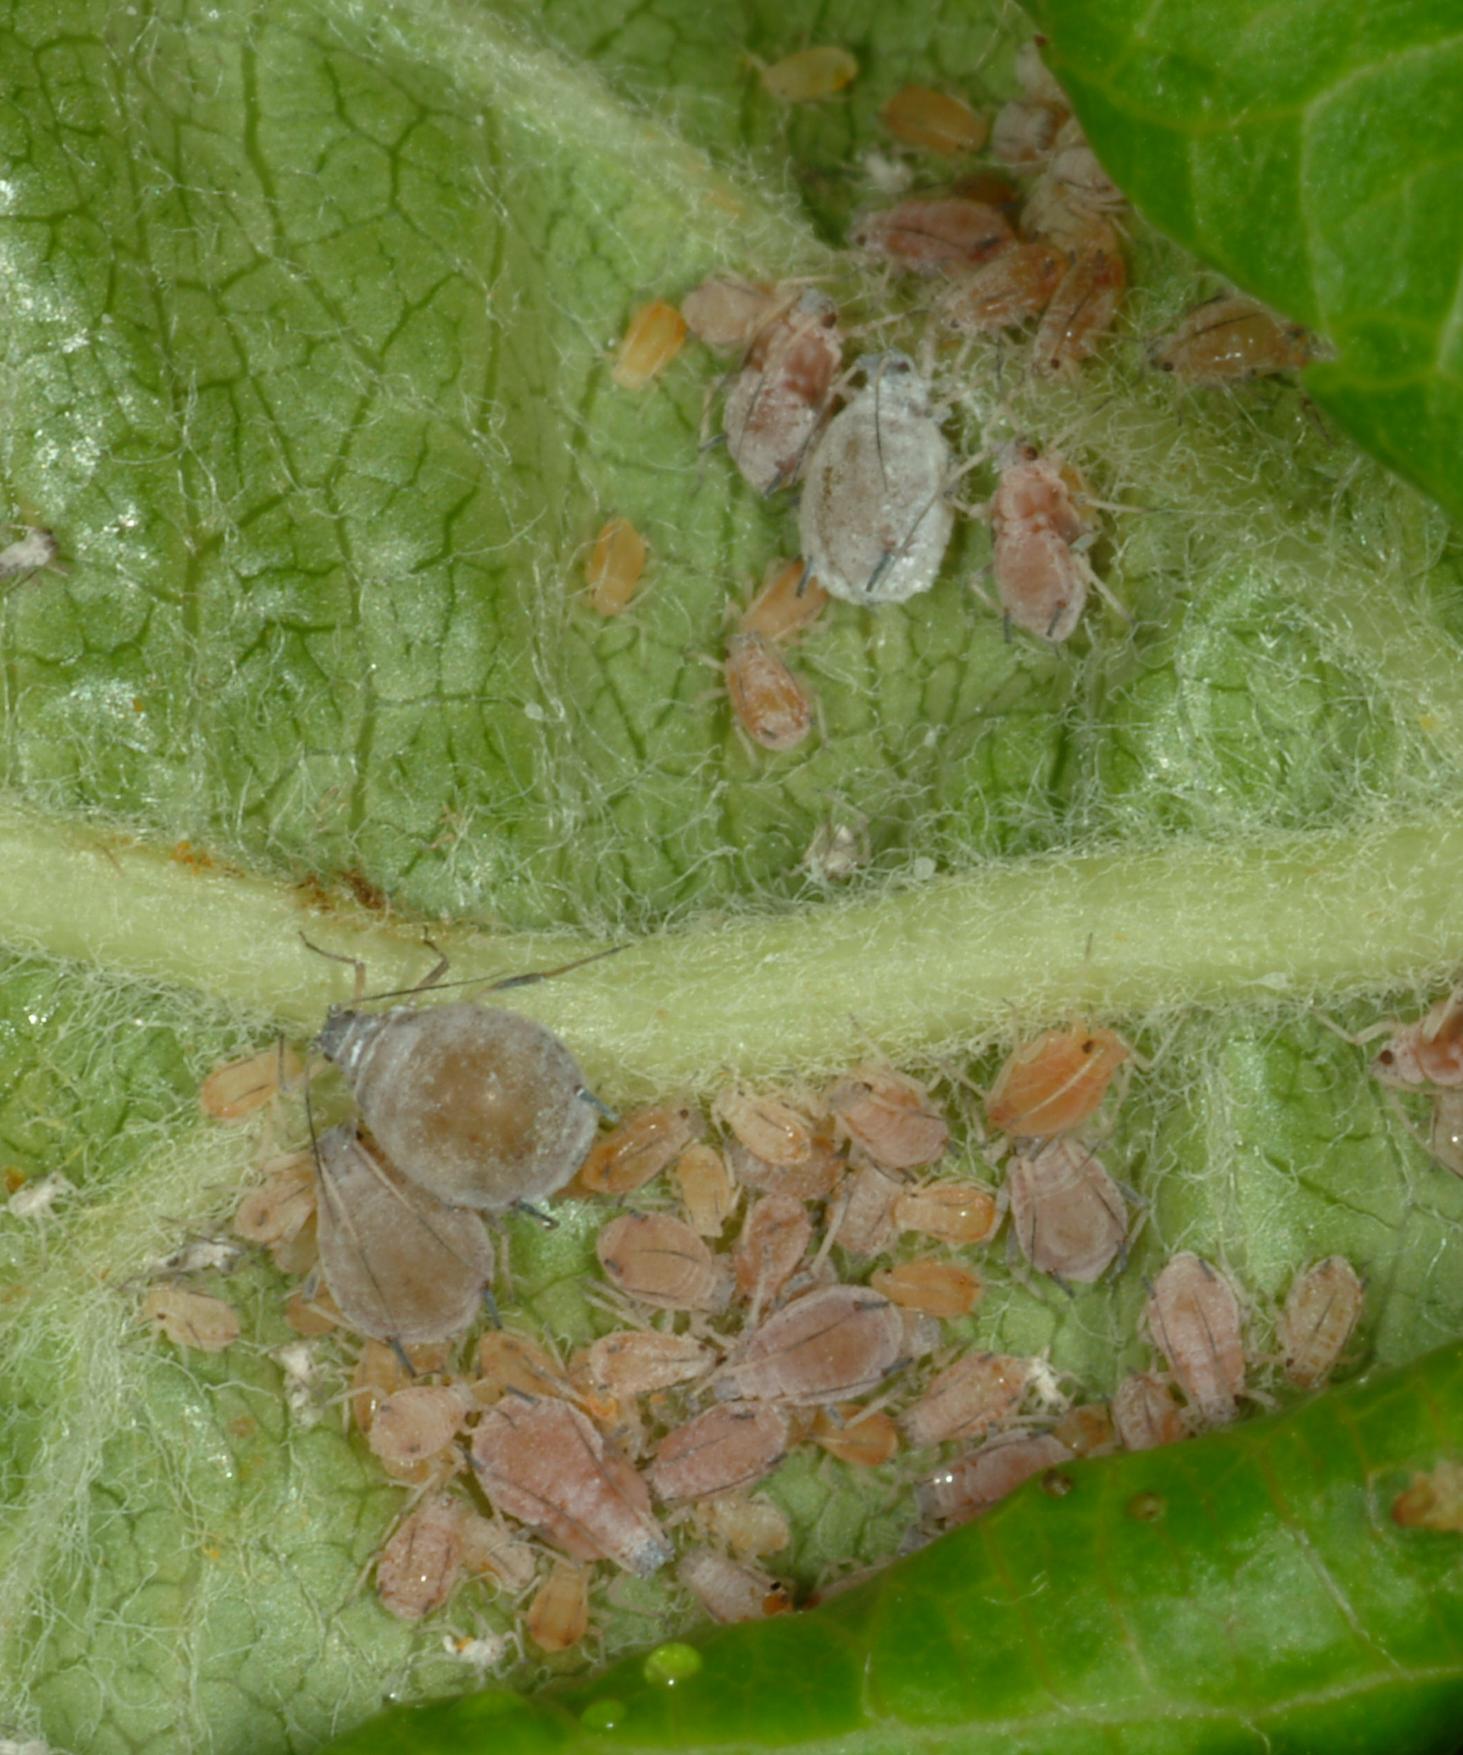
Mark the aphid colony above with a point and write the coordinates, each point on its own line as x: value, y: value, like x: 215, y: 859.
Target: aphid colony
x: 775, y: 1274
x: 861, y: 442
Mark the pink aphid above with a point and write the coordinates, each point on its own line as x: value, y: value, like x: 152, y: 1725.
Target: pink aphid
x: 490, y: 1547
x: 865, y: 1218
x: 1024, y: 133
x: 1037, y: 524
x: 955, y: 1212
x: 1081, y: 310
x: 938, y: 1288
x: 775, y: 406
x: 835, y: 1343
x: 968, y: 1398
x: 788, y: 601
x: 422, y: 1561
x: 970, y: 1485
x: 814, y: 1179
x: 191, y: 1319
x: 278, y: 1209
x: 1426, y: 1053
x: 1228, y: 339
x: 774, y: 1239
x: 1055, y: 1082
x: 725, y: 312
x: 233, y: 1092
x: 1007, y: 291
x: 1194, y: 1318
x: 639, y: 1361
x: 730, y: 1590
x: 939, y: 235
x: 1075, y: 172
x: 1066, y: 1211
x: 744, y: 1523
x: 643, y: 1145
x: 661, y: 1261
x: 890, y: 1117
x: 544, y: 1463
x: 708, y: 1191
x: 728, y: 1446
x: 768, y: 702
x: 1321, y: 1309
x: 1144, y: 1414
x: 558, y: 1616
x: 776, y: 1131
x: 1087, y: 1429
x: 418, y: 1423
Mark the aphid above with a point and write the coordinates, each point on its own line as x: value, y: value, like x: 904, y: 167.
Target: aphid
x: 890, y: 1117
x: 774, y: 407
x: 481, y: 1107
x: 638, y: 1361
x: 1321, y: 1309
x: 939, y: 1288
x: 873, y: 518
x: 417, y: 1423
x: 789, y: 600
x: 1144, y: 1414
x: 419, y: 1567
x: 771, y: 706
x: 281, y: 1205
x: 33, y: 1200
x: 1075, y: 172
x: 204, y: 1255
x: 558, y: 1616
x: 490, y: 1546
x: 744, y: 1523
x: 1066, y: 1211
x: 967, y: 1398
x: 614, y: 566
x: 400, y: 1264
x: 707, y: 1191
x: 1055, y: 1082
x: 1229, y: 338
x: 28, y: 554
x: 661, y: 1261
x: 809, y: 74
x: 544, y: 1462
x: 963, y: 1489
x: 1082, y: 308
x: 729, y: 1446
x: 955, y: 1212
x: 509, y: 1363
x: 1429, y: 1052
x: 643, y: 1145
x: 1006, y: 291
x: 866, y: 1438
x: 774, y: 1239
x: 1024, y: 133
x: 813, y: 1179
x: 238, y: 1088
x: 1042, y: 575
x: 774, y: 1131
x: 191, y: 1319
x: 934, y: 121
x: 1193, y: 1316
x: 727, y: 313
x: 944, y: 234
x: 655, y: 335
x: 1434, y: 1501
x: 379, y: 1373
x: 1087, y: 1429
x: 832, y: 1344
x: 730, y: 1590
x: 836, y: 851
x: 866, y: 1223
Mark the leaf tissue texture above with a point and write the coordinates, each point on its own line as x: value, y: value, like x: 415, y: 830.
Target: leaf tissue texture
x: 1310, y: 152
x: 1241, y: 1608
x: 309, y: 319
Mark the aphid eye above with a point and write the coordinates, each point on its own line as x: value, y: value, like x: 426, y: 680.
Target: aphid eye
x: 1386, y: 1057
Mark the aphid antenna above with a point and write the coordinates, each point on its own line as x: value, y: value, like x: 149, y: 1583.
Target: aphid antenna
x: 585, y: 1095
x: 402, y: 1358
x: 544, y: 1221
x: 432, y: 980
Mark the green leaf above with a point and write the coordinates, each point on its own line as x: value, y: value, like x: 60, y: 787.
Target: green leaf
x: 306, y: 345
x: 1246, y: 1598
x: 1311, y: 153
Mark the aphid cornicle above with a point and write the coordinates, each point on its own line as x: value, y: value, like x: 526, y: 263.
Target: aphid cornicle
x: 481, y: 1107
x: 874, y: 520
x: 401, y: 1265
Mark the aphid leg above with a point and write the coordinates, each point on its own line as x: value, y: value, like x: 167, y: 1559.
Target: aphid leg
x: 1104, y: 591
x: 340, y: 957
x: 402, y: 1357
x: 1358, y: 1038
x: 495, y: 1320
x: 585, y: 1095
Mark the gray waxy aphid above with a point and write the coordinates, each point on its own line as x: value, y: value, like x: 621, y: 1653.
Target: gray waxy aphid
x: 875, y: 523
x: 483, y: 1108
x: 401, y: 1265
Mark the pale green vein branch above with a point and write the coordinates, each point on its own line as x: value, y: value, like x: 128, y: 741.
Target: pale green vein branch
x: 913, y: 970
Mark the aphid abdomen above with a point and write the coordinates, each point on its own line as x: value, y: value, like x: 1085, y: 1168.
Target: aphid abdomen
x: 728, y: 1446
x: 1193, y: 1316
x: 484, y: 1108
x: 1066, y: 1211
x: 544, y: 1463
x: 824, y: 1347
x: 400, y: 1264
x: 973, y: 1483
x: 1321, y: 1309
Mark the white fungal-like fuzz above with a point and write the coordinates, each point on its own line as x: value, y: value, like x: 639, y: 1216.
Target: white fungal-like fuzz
x: 28, y: 554
x: 34, y: 1200
x: 301, y: 1382
x: 874, y: 520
